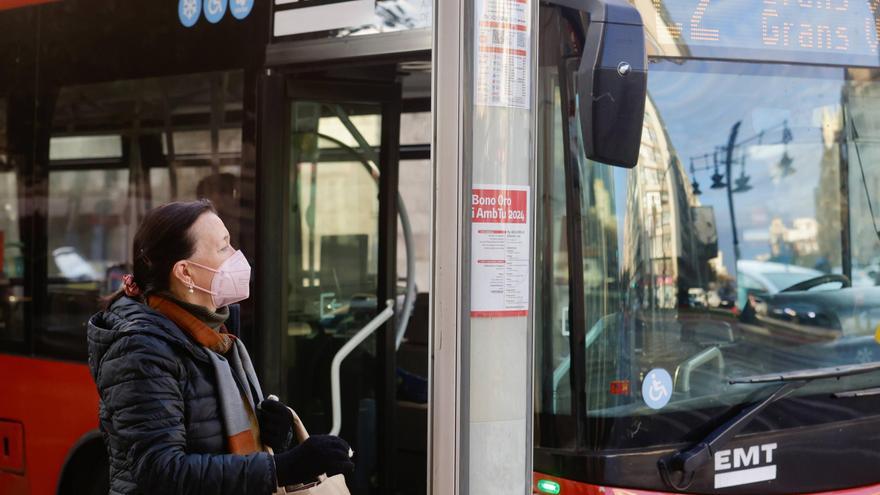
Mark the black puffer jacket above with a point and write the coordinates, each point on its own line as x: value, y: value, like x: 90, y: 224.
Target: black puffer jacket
x: 159, y: 410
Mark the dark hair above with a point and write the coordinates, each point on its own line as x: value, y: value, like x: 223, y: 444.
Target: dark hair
x: 163, y: 238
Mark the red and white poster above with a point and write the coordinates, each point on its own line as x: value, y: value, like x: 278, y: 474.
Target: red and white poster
x: 503, y: 34
x: 500, y: 244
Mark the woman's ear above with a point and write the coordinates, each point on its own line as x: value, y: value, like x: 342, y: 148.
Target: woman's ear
x: 180, y: 271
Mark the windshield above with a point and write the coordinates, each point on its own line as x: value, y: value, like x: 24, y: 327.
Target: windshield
x: 748, y: 184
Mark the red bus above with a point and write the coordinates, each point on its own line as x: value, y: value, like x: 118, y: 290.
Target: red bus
x: 105, y: 110
x: 704, y: 322
x: 717, y: 330
x: 108, y: 109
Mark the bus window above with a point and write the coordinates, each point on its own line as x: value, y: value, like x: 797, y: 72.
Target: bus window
x: 116, y: 150
x: 415, y: 179
x: 861, y: 99
x: 553, y: 400
x: 742, y: 244
x: 415, y: 128
x: 333, y: 248
x: 11, y: 253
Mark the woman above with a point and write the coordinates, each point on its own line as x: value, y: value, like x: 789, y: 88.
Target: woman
x: 181, y: 409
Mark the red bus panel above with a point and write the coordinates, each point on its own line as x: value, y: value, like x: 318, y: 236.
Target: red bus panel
x: 568, y: 487
x: 53, y: 404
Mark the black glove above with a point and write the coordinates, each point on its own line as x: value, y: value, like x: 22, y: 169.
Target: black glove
x: 319, y: 454
x: 276, y: 425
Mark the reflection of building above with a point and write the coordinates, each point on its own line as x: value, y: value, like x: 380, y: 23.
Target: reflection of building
x: 800, y: 240
x: 828, y: 190
x: 664, y: 254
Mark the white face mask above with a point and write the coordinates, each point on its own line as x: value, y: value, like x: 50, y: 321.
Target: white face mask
x: 231, y: 282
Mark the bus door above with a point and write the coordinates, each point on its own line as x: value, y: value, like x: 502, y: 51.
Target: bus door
x: 342, y: 298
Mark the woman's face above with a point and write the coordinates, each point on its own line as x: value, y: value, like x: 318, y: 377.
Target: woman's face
x: 212, y: 248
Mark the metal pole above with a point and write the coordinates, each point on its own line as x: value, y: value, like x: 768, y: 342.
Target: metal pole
x: 451, y: 177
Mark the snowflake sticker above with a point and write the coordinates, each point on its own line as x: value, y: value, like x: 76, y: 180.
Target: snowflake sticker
x: 189, y: 11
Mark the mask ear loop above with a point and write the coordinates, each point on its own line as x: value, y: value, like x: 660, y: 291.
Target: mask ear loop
x: 191, y: 285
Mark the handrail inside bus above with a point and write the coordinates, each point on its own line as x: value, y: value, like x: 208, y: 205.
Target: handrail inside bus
x: 684, y: 371
x: 409, y: 300
x: 562, y: 370
x: 371, y: 162
x: 341, y: 354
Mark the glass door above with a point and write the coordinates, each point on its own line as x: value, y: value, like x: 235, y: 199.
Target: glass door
x: 341, y: 226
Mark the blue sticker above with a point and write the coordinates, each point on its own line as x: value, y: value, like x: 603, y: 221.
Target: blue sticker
x: 189, y: 11
x: 215, y: 10
x: 657, y: 388
x: 241, y: 8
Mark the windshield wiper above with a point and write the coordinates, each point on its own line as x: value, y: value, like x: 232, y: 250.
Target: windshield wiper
x: 689, y: 461
x: 811, y: 374
x: 867, y: 392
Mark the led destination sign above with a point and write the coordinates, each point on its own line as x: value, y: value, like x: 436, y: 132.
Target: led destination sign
x: 840, y: 32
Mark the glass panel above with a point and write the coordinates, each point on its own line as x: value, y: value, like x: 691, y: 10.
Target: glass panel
x: 95, y: 205
x: 334, y: 133
x: 200, y: 142
x: 553, y: 400
x: 414, y: 180
x: 333, y: 264
x: 728, y: 252
x: 390, y: 16
x: 11, y: 248
x: 415, y: 128
x: 862, y: 99
x: 85, y: 147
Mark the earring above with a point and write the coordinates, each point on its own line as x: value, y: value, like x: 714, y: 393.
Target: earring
x: 190, y: 287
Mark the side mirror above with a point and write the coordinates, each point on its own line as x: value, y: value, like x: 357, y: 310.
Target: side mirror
x: 612, y: 80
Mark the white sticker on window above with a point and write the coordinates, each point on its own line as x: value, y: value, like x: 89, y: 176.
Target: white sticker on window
x: 746, y: 465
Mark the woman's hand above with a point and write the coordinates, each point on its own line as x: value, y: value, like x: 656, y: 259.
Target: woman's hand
x: 276, y: 425
x: 319, y: 454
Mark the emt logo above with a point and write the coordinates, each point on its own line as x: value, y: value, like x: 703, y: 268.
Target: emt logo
x: 734, y: 467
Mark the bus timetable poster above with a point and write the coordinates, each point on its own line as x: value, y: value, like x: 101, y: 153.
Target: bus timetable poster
x: 499, y: 251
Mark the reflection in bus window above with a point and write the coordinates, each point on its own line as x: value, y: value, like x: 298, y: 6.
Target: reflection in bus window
x: 552, y: 258
x: 116, y: 150
x: 742, y: 244
x: 333, y: 257
x: 11, y: 252
x: 415, y: 128
x: 414, y: 180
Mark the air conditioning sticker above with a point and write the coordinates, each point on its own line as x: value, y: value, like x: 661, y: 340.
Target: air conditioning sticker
x: 189, y: 12
x: 742, y: 466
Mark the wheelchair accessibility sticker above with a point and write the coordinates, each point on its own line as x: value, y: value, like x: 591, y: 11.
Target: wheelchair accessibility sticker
x: 215, y: 10
x: 657, y: 388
